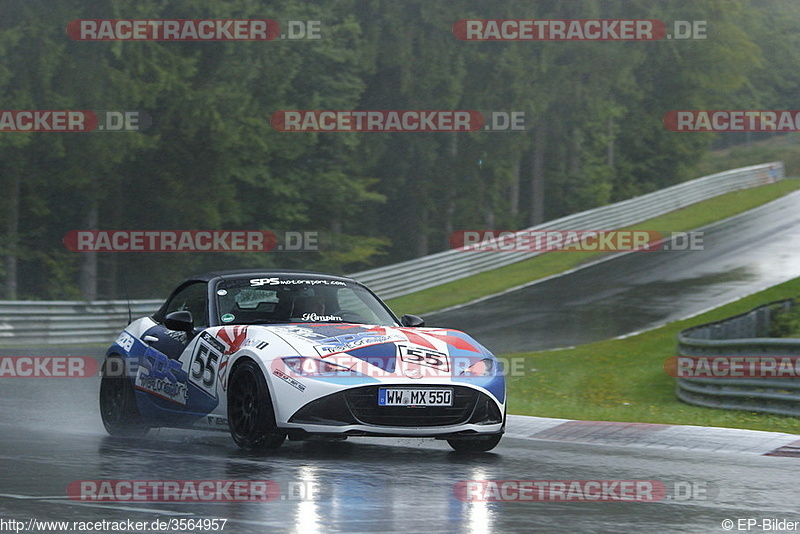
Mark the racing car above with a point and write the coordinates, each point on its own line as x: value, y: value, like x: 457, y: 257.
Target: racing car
x: 298, y: 354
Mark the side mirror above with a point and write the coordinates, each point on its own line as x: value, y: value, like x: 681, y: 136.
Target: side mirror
x: 181, y: 321
x: 412, y: 321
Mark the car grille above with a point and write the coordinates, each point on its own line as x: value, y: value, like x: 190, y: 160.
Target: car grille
x: 360, y: 405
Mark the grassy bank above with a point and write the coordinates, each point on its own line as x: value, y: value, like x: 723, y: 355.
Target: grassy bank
x: 624, y: 379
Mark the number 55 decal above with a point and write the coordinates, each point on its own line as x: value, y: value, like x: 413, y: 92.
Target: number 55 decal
x: 422, y: 356
x: 203, y: 372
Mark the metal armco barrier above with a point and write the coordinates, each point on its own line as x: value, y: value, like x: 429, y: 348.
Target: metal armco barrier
x: 436, y: 269
x: 742, y: 335
x: 81, y: 322
x: 37, y: 323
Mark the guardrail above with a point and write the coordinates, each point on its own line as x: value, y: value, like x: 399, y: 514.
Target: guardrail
x: 57, y: 322
x: 741, y: 335
x: 429, y: 271
x: 81, y: 322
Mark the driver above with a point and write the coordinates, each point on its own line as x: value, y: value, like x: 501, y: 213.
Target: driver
x: 306, y: 307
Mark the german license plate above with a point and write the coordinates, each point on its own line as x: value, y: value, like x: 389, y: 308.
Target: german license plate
x: 414, y: 397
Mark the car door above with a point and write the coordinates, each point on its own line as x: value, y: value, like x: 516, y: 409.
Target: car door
x: 192, y: 298
x: 178, y: 372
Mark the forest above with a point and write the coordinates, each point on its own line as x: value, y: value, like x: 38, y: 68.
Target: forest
x: 210, y: 159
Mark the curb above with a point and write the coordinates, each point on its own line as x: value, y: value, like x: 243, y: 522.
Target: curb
x: 658, y: 436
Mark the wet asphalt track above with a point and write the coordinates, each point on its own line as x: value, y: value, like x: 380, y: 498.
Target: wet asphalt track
x: 638, y: 291
x: 51, y: 435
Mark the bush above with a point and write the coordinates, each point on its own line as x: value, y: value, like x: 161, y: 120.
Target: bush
x: 785, y: 323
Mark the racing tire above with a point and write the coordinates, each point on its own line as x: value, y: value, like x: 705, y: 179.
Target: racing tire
x: 476, y: 444
x: 251, y: 417
x: 118, y: 408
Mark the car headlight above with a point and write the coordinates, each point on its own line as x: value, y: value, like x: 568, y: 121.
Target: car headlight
x: 484, y: 367
x: 308, y: 366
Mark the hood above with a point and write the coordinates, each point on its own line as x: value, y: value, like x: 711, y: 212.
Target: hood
x: 382, y: 351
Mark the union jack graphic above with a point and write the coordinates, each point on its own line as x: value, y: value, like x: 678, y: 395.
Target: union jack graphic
x: 232, y: 337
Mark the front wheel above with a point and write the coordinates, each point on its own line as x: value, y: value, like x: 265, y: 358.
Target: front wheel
x: 476, y: 444
x: 251, y: 417
x: 118, y: 408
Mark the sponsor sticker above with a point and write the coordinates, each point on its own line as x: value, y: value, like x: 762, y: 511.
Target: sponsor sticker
x: 125, y: 340
x: 257, y: 282
x: 162, y: 376
x: 289, y: 380
x: 345, y: 342
x: 320, y: 318
x: 300, y: 332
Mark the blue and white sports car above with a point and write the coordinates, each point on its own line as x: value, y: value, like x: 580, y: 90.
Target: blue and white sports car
x: 266, y: 355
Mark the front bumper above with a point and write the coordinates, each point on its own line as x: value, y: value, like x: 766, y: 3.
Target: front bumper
x: 356, y: 412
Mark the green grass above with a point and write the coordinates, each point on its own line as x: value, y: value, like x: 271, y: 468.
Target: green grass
x: 624, y: 379
x: 497, y: 280
x: 783, y: 147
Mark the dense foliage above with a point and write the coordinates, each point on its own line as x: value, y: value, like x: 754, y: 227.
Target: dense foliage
x: 211, y: 159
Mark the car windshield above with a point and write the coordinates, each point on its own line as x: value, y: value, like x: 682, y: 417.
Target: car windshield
x: 283, y: 299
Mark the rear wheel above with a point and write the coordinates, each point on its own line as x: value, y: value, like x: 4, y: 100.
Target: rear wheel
x: 118, y: 401
x: 476, y: 444
x: 251, y: 417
